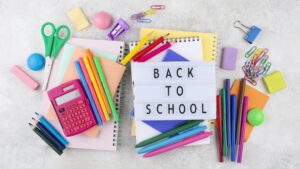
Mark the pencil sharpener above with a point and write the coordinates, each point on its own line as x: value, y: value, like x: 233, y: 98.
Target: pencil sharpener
x: 118, y: 29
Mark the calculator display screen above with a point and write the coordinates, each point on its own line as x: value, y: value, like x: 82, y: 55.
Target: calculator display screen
x: 67, y: 97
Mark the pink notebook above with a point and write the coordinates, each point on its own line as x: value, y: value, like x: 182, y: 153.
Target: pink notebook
x: 107, y: 139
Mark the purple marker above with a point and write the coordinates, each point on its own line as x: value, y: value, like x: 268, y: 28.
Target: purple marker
x: 227, y: 87
x: 243, y: 126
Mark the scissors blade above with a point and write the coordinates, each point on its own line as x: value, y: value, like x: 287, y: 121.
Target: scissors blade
x: 48, y: 68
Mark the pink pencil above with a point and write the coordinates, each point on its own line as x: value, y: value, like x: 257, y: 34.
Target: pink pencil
x: 88, y: 80
x: 186, y: 141
x: 244, y: 115
x: 156, y: 52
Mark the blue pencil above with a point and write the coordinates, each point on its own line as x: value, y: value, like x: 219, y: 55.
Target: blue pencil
x: 227, y: 87
x: 48, y: 125
x: 233, y: 125
x: 51, y: 137
x: 87, y: 91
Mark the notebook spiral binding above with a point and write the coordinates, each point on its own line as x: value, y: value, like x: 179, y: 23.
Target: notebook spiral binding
x: 186, y: 39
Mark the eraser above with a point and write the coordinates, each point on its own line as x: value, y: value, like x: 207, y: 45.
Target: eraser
x: 102, y: 20
x: 229, y: 56
x: 274, y: 82
x: 22, y: 75
x: 78, y: 18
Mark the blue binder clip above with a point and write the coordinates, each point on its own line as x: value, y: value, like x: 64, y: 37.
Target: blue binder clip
x: 251, y: 32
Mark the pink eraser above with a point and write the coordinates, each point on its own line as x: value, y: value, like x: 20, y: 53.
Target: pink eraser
x: 102, y: 20
x: 29, y: 81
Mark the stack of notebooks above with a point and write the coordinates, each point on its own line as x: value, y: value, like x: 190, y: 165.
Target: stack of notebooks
x: 189, y: 46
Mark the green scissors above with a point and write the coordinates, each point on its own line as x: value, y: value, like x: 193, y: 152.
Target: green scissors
x: 54, y: 39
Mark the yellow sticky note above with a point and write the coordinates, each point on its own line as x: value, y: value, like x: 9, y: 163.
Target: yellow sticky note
x: 274, y: 82
x: 78, y: 18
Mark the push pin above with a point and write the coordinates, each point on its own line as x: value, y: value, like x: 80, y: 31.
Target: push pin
x: 251, y: 33
x: 118, y: 29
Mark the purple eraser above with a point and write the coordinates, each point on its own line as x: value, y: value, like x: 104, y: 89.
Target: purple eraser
x: 229, y: 58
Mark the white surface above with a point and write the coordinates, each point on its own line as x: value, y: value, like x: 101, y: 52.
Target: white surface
x: 273, y: 145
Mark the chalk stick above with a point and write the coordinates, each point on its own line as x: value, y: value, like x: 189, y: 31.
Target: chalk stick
x: 23, y: 76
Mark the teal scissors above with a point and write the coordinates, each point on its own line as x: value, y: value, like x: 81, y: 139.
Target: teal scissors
x: 54, y: 39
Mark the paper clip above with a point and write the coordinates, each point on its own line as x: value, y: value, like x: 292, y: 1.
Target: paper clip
x: 267, y: 68
x: 158, y: 7
x: 150, y: 12
x: 250, y: 52
x: 137, y: 16
x: 264, y: 60
x: 251, y: 33
x: 250, y: 80
x: 260, y: 72
x: 248, y: 64
x: 144, y: 20
x: 261, y: 55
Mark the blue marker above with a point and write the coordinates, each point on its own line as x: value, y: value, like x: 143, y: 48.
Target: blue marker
x: 53, y: 131
x: 182, y: 135
x: 87, y: 91
x: 233, y: 126
x: 227, y: 87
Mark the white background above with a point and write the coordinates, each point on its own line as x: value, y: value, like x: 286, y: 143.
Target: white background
x: 273, y: 145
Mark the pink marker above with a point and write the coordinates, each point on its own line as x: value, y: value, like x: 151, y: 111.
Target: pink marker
x: 243, y: 126
x: 186, y: 141
x: 156, y: 52
x: 22, y: 75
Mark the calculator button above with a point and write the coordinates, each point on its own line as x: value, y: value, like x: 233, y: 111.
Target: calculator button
x: 73, y: 105
x: 80, y: 101
x: 61, y: 110
x: 83, y: 110
x: 75, y: 109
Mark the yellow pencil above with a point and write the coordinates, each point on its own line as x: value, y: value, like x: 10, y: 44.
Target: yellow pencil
x: 90, y: 72
x: 128, y: 57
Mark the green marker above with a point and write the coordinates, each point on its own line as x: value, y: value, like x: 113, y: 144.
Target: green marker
x: 106, y: 89
x: 225, y: 148
x: 178, y: 129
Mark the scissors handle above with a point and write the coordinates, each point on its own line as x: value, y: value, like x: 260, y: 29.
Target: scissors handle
x: 60, y: 41
x: 48, y: 31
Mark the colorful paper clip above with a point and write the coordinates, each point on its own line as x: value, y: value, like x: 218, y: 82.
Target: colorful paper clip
x: 250, y: 52
x: 144, y: 20
x: 264, y: 60
x: 267, y: 68
x: 251, y: 32
x: 150, y: 12
x: 158, y: 7
x: 137, y: 16
x: 118, y: 29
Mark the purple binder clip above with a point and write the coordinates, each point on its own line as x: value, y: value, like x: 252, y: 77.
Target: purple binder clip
x: 118, y: 29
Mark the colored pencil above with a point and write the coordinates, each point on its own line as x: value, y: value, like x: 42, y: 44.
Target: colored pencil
x: 133, y: 52
x: 98, y: 81
x: 225, y: 147
x: 240, y: 110
x: 169, y: 133
x: 156, y: 52
x: 50, y: 136
x: 88, y: 80
x: 219, y: 124
x: 97, y: 90
x: 88, y: 92
x: 106, y: 89
x: 51, y: 128
x: 184, y: 142
x: 150, y: 47
x: 46, y: 140
x: 227, y: 87
x: 233, y: 125
x: 244, y: 116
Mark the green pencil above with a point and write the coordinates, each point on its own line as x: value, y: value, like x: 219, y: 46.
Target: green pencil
x: 46, y: 139
x: 225, y: 148
x: 106, y: 89
x: 178, y: 129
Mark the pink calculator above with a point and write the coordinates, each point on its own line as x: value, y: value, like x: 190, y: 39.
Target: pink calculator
x: 72, y: 107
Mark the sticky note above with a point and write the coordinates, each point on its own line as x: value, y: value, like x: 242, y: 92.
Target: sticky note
x: 23, y: 76
x: 274, y: 82
x: 229, y: 56
x: 78, y: 18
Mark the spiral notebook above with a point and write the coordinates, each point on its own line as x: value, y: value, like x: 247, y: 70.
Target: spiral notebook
x: 105, y: 136
x: 190, y: 49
